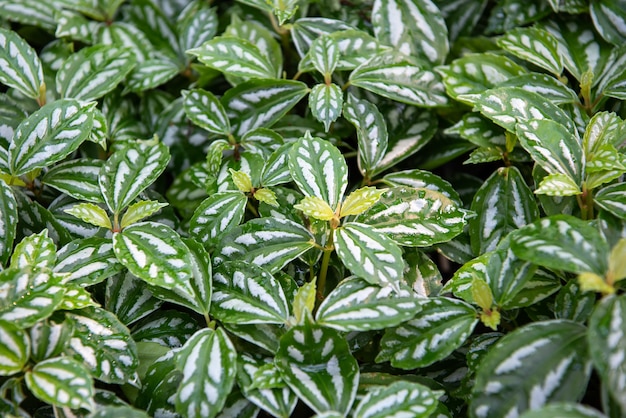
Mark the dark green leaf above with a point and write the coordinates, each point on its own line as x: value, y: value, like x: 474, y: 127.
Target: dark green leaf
x: 325, y: 102
x: 398, y: 398
x: 87, y: 261
x: 8, y: 221
x: 77, y: 178
x: 206, y: 111
x: 20, y: 67
x: 15, y: 349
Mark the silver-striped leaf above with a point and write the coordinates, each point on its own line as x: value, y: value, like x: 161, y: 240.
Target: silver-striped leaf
x: 150, y: 74
x: 30, y: 12
x: 36, y: 250
x: 534, y: 45
x: 573, y: 303
x: 607, y: 345
x: 545, y: 85
x: 422, y: 179
x: 158, y: 387
x: 14, y: 350
x: 76, y: 297
x: 158, y: 27
x: 319, y: 169
x: 130, y: 170
x: 536, y: 364
x: 20, y: 66
x: 208, y: 361
x: 612, y: 199
x: 609, y: 20
x: 563, y: 410
x: 77, y: 178
x: 125, y: 35
x: 49, y: 135
x: 437, y: 330
x: 412, y: 27
x: 196, y: 24
x: 503, y: 204
x: 260, y: 103
x: 324, y: 55
x: 370, y: 254
x: 266, y: 242
x: 401, y: 398
x: 87, y: 261
x: 318, y: 366
x: 8, y: 221
x: 356, y: 305
x: 563, y: 242
x: 169, y: 328
x: 415, y: 217
x: 28, y: 295
x: 74, y: 26
x: 276, y: 168
x: 421, y: 273
x: 129, y: 298
x: 63, y: 382
x: 371, y: 130
x: 48, y: 339
x: 104, y: 345
x: 398, y: 78
x: 34, y: 218
x: 94, y: 71
x: 206, y: 111
x: 326, y: 103
x: 235, y: 57
x: 244, y: 293
x: 306, y: 30
x: 216, y: 215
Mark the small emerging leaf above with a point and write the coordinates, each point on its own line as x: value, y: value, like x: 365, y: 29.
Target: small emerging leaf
x: 91, y: 213
x: 315, y: 207
x: 266, y: 196
x: 304, y: 301
x: 242, y: 180
x: 140, y: 210
x: 360, y: 200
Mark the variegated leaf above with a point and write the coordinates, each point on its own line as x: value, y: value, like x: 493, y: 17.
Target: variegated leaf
x: 36, y: 250
x: 397, y: 399
x: 150, y: 74
x: 415, y: 28
x: 196, y: 25
x: 158, y: 390
x: 103, y: 344
x: 317, y: 365
x: 152, y: 20
x: 90, y: 213
x: 545, y: 85
x: 504, y: 203
x: 77, y: 178
x: 206, y: 111
x: 603, y: 129
x: 140, y: 210
x: 607, y: 345
x: 28, y: 295
x: 74, y: 26
x: 130, y: 170
x: 34, y: 218
x: 63, y: 382
x: 276, y: 168
x: 421, y: 273
x: 247, y: 294
x: 563, y: 409
x: 208, y: 361
x: 267, y: 242
x: 15, y: 349
x: 216, y: 215
x: 612, y: 199
x: 461, y: 16
x: 20, y: 67
x: 324, y: 55
x: 307, y: 29
x: 609, y: 20
x: 534, y: 45
x: 260, y: 103
x: 49, y: 135
x: 563, y: 242
x: 558, y: 185
x: 129, y: 298
x: 326, y: 103
x: 8, y: 221
x: 76, y: 297
x: 94, y: 71
x: 422, y: 179
x: 573, y: 303
x: 30, y: 12
x: 265, y: 336
x: 437, y: 330
x: 48, y: 339
x: 536, y: 364
x: 87, y: 261
x: 319, y: 169
x: 169, y: 328
x: 395, y: 77
x: 126, y: 35
x: 371, y: 130
x: 356, y: 305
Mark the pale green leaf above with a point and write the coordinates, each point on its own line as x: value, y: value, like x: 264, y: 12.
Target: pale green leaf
x: 92, y: 214
x: 360, y: 200
x: 315, y: 207
x: 140, y: 210
x: 558, y: 185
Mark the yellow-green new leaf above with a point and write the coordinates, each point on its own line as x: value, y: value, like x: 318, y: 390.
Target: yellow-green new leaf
x: 242, y: 180
x: 91, y: 213
x: 558, y: 185
x: 140, y: 210
x: 481, y: 294
x: 617, y: 261
x: 266, y: 196
x: 360, y: 200
x: 304, y: 301
x: 315, y: 207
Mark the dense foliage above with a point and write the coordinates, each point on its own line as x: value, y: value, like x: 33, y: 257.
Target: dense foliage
x: 312, y: 208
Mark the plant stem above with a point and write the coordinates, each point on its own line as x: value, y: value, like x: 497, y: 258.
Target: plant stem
x: 328, y: 249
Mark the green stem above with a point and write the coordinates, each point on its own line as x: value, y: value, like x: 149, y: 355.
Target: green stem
x: 328, y: 249
x: 252, y: 209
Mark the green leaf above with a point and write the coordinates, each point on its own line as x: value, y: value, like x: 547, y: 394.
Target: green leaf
x: 206, y: 111
x: 8, y: 221
x: 130, y: 170
x: 573, y: 303
x: 306, y: 30
x: 317, y: 365
x: 504, y: 203
x: 416, y: 218
x: 36, y: 251
x: 63, y: 382
x: 242, y: 180
x: 260, y: 103
x: 49, y: 135
x: 534, y: 45
x: 94, y: 71
x: 612, y: 199
x: 545, y: 85
x: 48, y: 339
x: 266, y: 242
x: 247, y: 294
x: 608, y: 19
x: 315, y: 207
x: 563, y: 410
x: 360, y: 200
x: 150, y: 19
x: 15, y: 349
x: 276, y: 169
x: 563, y: 242
x: 155, y: 253
x: 216, y: 215
x: 30, y: 12
x: 28, y: 295
x: 75, y: 298
x: 150, y: 74
x: 77, y: 178
x: 129, y: 298
x: 421, y: 179
x: 158, y: 390
x: 20, y: 67
x: 140, y: 210
x: 369, y: 254
x: 208, y: 361
x: 606, y: 337
x: 421, y: 273
x: 197, y: 24
x: 326, y: 102
x: 441, y: 327
x: 319, y: 169
x: 356, y: 305
x: 235, y: 57
x: 324, y: 55
x: 414, y: 28
x: 304, y: 301
x: 536, y: 364
x: 87, y: 261
x: 371, y: 130
x: 103, y: 344
x: 401, y: 79
x: 398, y: 398
x: 169, y: 328
x: 92, y: 214
x: 558, y: 185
